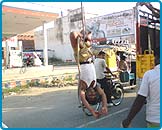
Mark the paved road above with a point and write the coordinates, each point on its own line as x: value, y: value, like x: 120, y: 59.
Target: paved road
x: 59, y: 109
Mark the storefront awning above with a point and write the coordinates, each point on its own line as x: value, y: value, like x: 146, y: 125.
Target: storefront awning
x: 17, y: 21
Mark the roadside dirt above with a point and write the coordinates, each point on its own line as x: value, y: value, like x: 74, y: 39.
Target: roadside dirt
x: 40, y: 90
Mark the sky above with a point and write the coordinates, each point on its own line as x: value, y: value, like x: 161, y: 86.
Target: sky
x: 96, y: 8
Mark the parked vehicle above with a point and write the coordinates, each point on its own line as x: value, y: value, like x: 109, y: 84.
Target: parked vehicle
x: 29, y: 62
x: 127, y: 80
x: 147, y: 38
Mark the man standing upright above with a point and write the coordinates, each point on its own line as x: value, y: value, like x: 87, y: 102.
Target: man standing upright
x: 150, y: 91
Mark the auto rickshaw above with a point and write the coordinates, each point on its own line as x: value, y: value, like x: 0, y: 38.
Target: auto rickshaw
x: 127, y: 79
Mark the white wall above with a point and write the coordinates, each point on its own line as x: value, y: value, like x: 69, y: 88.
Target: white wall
x: 58, y: 35
x: 58, y: 40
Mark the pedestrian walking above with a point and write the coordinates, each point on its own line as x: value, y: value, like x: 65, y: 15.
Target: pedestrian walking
x: 149, y: 91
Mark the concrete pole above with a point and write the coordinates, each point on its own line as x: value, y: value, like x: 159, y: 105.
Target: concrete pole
x: 45, y: 49
x: 7, y: 54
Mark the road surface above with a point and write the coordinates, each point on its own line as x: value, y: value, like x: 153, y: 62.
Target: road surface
x: 58, y: 108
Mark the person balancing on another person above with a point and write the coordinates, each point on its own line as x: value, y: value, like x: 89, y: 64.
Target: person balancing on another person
x: 87, y: 81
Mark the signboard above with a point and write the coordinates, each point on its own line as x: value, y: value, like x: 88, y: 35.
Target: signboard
x: 12, y: 42
x: 116, y: 29
x: 75, y: 15
x: 15, y: 58
x: 112, y: 25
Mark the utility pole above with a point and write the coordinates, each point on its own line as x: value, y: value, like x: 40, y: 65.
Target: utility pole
x: 45, y: 49
x: 83, y: 20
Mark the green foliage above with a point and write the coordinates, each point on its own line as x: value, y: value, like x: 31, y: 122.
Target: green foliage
x: 16, y: 89
x: 7, y: 90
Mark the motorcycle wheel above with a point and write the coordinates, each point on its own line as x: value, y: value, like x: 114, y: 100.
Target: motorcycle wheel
x: 117, y: 94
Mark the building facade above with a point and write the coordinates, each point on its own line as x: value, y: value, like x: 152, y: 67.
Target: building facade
x: 117, y: 29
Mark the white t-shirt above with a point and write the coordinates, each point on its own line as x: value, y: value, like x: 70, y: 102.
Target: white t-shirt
x: 150, y: 88
x: 100, y: 67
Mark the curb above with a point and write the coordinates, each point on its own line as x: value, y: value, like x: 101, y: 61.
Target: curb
x: 36, y: 81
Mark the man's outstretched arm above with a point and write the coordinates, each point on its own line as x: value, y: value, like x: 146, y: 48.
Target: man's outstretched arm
x: 136, y: 107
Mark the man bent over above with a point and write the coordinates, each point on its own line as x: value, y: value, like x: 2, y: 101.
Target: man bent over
x: 87, y: 71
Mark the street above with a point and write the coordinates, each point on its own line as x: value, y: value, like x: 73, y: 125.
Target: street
x: 58, y: 108
x: 48, y: 47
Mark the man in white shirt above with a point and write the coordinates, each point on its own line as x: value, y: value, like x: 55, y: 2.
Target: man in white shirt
x: 101, y: 67
x: 150, y: 91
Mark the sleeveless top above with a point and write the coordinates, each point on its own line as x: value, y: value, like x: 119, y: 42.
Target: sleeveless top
x: 84, y: 53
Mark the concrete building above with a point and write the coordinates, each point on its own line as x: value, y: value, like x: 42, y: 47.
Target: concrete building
x: 116, y: 28
x: 15, y: 22
x: 53, y: 36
